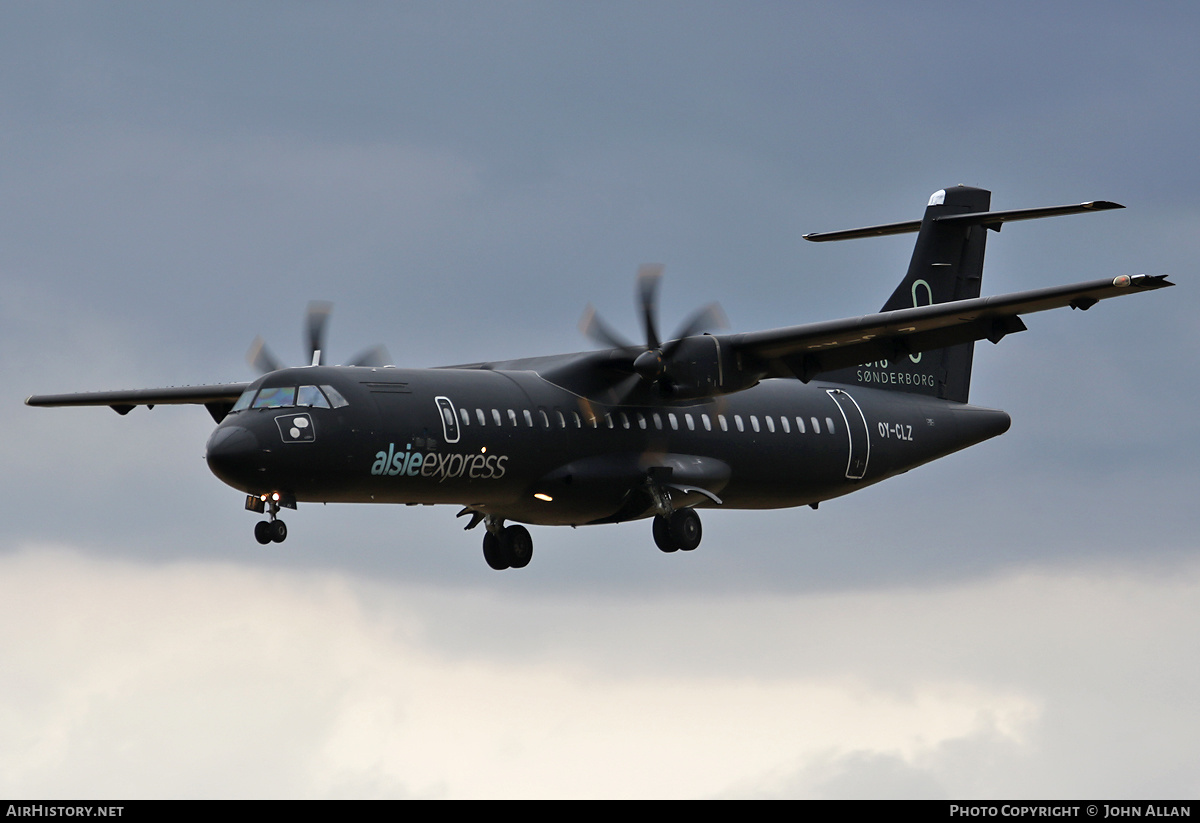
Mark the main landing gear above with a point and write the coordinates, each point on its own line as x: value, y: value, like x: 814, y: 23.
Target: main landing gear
x: 508, y: 547
x: 674, y: 529
x: 678, y: 531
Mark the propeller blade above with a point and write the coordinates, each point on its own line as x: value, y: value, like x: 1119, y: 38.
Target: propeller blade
x: 706, y: 318
x: 599, y: 331
x: 316, y: 321
x: 651, y: 365
x: 374, y: 357
x: 261, y: 359
x: 649, y: 275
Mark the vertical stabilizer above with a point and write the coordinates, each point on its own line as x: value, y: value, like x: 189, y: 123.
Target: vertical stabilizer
x: 946, y: 265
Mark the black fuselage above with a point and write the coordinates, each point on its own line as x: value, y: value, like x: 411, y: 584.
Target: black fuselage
x: 511, y: 444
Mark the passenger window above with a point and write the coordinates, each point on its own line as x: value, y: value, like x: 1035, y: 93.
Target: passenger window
x: 786, y: 428
x: 545, y: 418
x: 528, y: 418
x: 691, y: 423
x: 480, y: 417
x: 641, y: 420
x: 578, y: 422
x: 512, y: 417
x: 496, y: 416
x: 674, y: 421
x: 829, y: 424
x: 816, y: 425
x: 724, y: 423
x: 276, y: 398
x: 466, y: 416
x: 335, y: 397
x: 311, y: 396
x: 657, y: 421
x: 754, y: 422
x: 770, y: 424
x: 562, y: 421
x: 624, y: 420
x: 707, y: 422
x: 608, y: 419
x: 737, y: 419
x: 800, y: 425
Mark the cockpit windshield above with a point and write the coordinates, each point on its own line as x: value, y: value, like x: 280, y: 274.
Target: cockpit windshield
x: 243, y: 402
x: 281, y: 397
x: 311, y: 396
x: 275, y: 398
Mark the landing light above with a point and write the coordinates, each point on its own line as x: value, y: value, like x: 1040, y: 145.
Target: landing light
x: 544, y: 497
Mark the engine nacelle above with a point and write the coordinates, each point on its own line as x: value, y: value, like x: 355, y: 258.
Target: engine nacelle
x: 703, y: 366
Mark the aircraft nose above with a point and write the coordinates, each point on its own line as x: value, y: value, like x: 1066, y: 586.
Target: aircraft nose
x: 234, y: 455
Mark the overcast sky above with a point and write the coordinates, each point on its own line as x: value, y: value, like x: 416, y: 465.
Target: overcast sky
x: 461, y: 179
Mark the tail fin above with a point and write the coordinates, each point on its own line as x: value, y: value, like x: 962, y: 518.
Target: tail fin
x: 946, y: 265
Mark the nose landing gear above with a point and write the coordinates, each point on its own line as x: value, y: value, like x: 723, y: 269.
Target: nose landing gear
x: 273, y: 530
x: 270, y: 531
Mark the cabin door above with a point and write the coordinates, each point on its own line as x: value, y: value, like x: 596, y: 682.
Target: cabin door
x: 856, y: 431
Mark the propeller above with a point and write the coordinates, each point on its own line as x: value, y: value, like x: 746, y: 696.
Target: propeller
x: 652, y: 360
x: 315, y: 324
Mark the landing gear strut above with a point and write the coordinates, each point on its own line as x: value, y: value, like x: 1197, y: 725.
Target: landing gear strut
x: 679, y: 530
x: 268, y: 531
x: 506, y: 547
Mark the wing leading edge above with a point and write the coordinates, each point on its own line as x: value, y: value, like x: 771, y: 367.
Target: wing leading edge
x: 218, y: 399
x: 806, y: 351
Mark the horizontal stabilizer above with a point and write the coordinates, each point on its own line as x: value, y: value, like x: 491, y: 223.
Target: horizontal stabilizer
x: 994, y: 219
x: 991, y: 219
x: 883, y: 230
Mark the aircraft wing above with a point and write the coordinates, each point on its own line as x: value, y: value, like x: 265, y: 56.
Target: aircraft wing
x: 806, y: 351
x: 218, y: 399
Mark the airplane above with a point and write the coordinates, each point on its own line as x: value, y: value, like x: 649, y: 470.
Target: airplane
x: 760, y: 420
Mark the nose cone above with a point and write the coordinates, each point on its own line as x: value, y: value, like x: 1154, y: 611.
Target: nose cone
x: 235, y: 455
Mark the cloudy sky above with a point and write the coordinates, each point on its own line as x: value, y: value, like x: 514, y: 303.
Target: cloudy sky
x: 1019, y: 619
